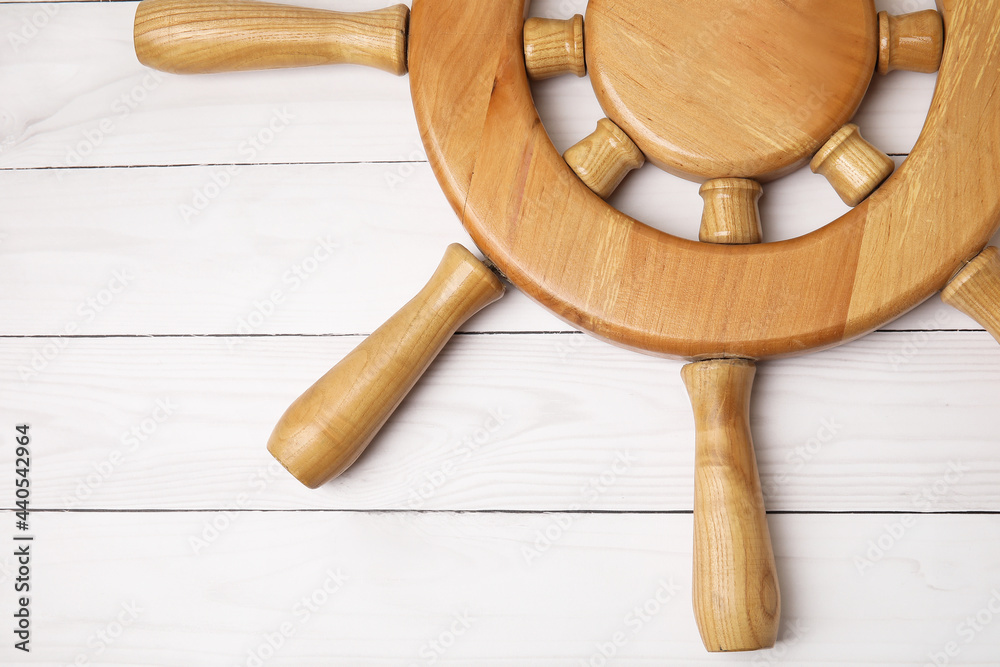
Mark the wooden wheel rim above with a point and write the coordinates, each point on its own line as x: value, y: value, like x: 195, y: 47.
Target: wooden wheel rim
x: 635, y: 286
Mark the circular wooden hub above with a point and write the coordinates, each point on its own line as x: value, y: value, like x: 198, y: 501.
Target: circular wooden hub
x: 732, y: 88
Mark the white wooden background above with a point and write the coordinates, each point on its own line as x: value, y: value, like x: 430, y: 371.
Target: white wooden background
x: 182, y: 256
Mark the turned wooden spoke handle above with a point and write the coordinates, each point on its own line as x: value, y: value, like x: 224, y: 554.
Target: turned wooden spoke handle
x: 735, y: 589
x: 326, y: 429
x: 201, y: 36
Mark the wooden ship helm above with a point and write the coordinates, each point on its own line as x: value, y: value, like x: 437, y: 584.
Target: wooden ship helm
x: 731, y: 94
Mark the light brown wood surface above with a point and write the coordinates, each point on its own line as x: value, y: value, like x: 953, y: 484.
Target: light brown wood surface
x: 853, y: 166
x: 730, y: 89
x: 912, y: 42
x: 625, y: 282
x: 732, y: 213
x: 327, y: 428
x: 737, y: 603
x: 735, y: 588
x: 976, y: 290
x: 200, y: 36
x: 603, y: 159
x: 553, y: 47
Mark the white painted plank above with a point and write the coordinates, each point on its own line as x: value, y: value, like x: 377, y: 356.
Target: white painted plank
x: 526, y: 422
x: 84, y: 99
x: 464, y: 581
x: 901, y: 422
x: 342, y: 248
x: 200, y: 258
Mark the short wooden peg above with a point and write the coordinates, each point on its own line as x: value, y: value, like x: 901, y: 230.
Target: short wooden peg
x: 853, y: 166
x: 976, y: 291
x: 553, y: 47
x: 603, y: 159
x: 327, y: 428
x: 912, y: 42
x: 731, y: 215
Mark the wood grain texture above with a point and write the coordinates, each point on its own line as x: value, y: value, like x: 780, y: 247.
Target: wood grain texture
x: 737, y: 603
x: 505, y: 179
x: 854, y: 167
x: 716, y: 90
x: 912, y: 42
x: 341, y: 114
x: 327, y: 428
x: 553, y: 47
x: 387, y: 585
x: 335, y: 239
x: 732, y: 213
x: 976, y: 290
x: 202, y: 36
x: 516, y: 422
x: 603, y: 159
x: 872, y: 426
x: 103, y: 107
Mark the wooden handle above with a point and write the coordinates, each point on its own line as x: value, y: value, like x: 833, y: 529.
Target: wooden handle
x: 735, y: 590
x: 201, y: 36
x: 976, y: 291
x: 326, y: 429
